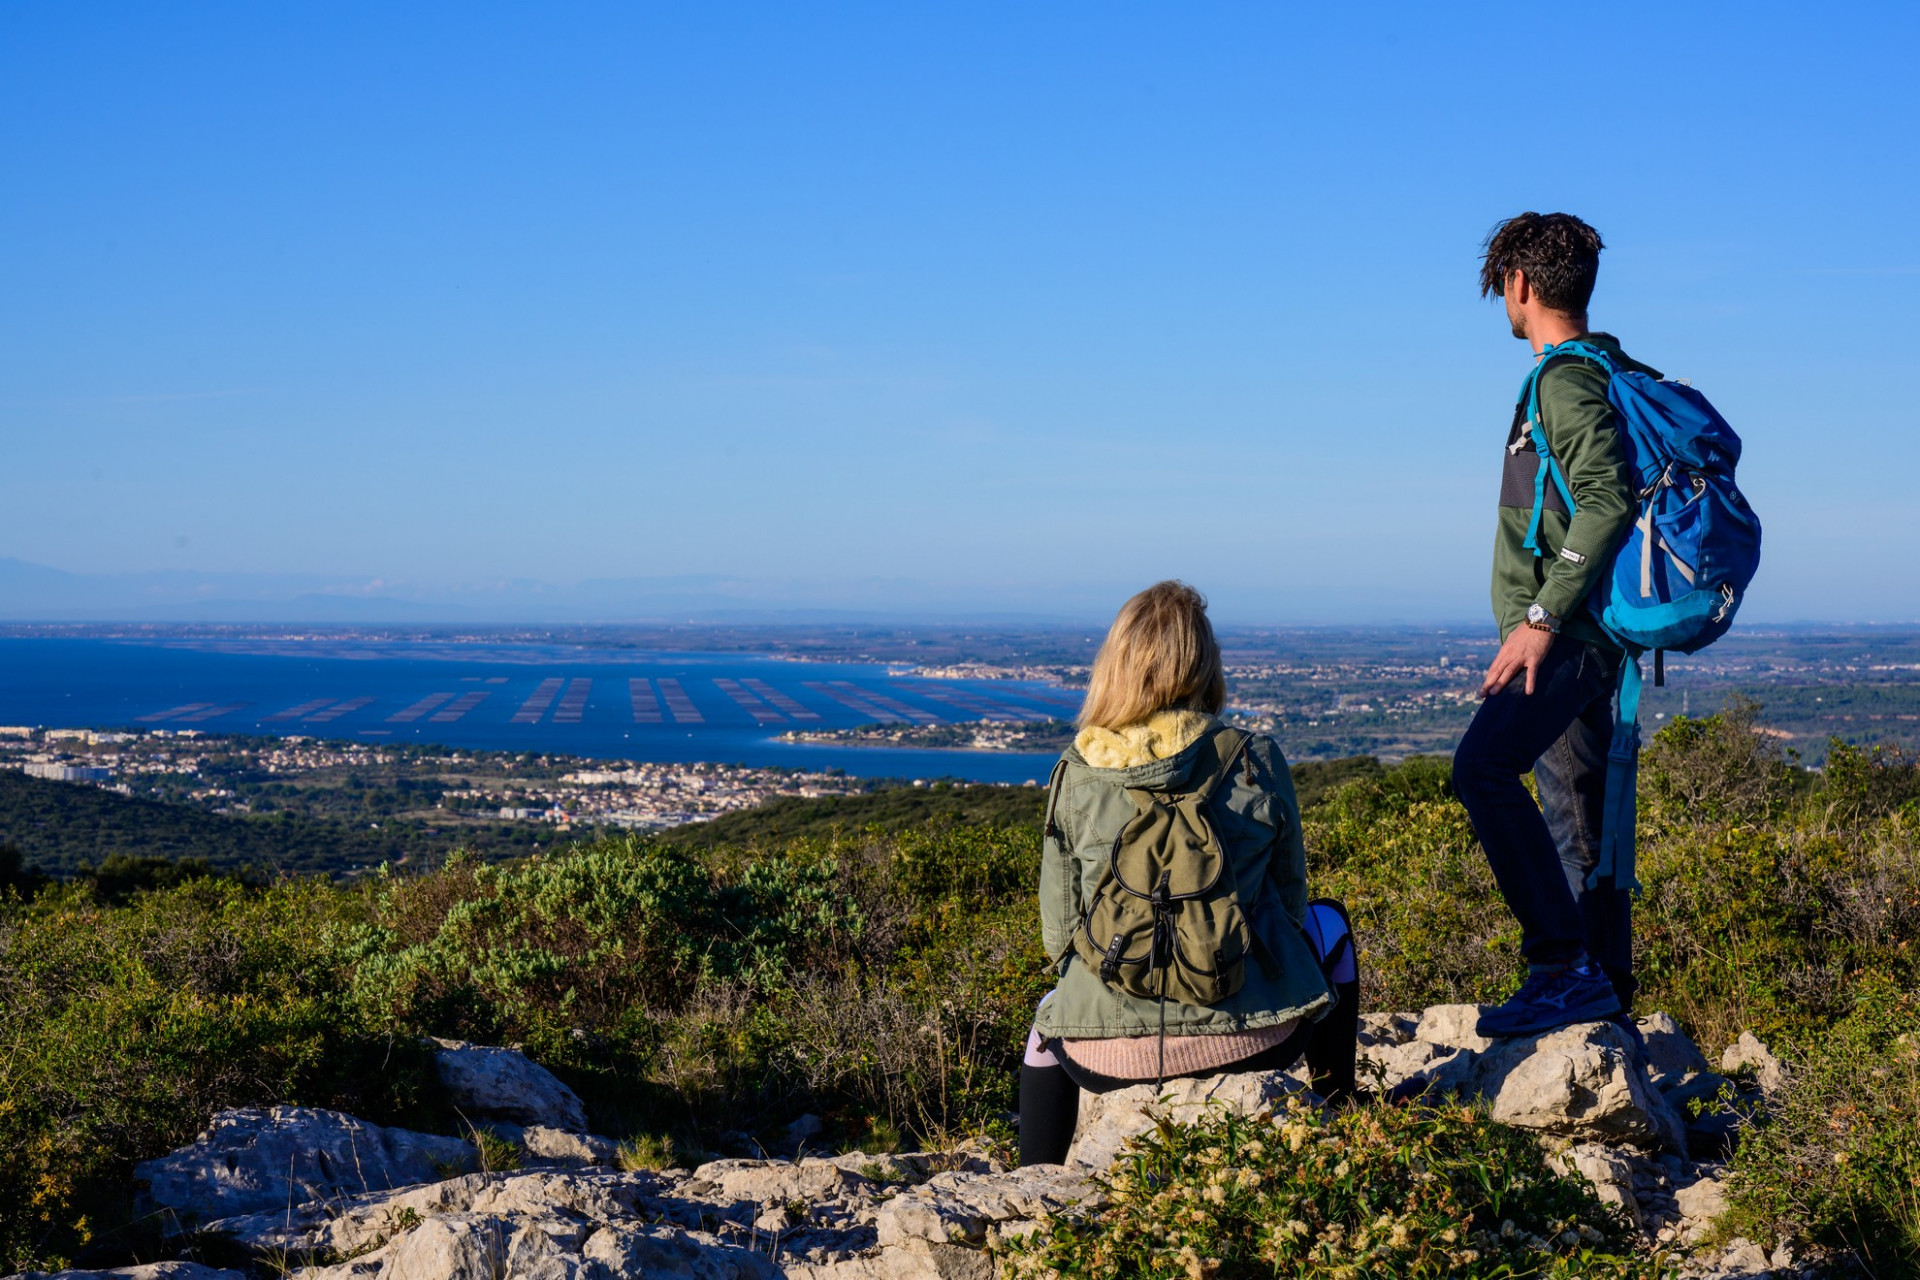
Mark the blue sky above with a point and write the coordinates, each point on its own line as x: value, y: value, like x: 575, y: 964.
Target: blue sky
x: 981, y: 306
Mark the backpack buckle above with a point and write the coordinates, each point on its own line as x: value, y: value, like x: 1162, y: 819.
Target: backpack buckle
x: 1110, y: 963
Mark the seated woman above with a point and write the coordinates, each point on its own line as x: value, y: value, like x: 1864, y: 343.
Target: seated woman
x: 1173, y: 897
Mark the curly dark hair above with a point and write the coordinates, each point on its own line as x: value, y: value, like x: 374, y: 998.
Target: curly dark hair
x: 1559, y: 253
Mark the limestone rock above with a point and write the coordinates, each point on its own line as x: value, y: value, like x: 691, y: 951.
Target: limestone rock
x: 911, y: 1260
x: 1107, y: 1120
x: 1426, y: 1067
x: 803, y: 1131
x: 1387, y: 1028
x: 151, y: 1271
x: 1402, y: 1060
x: 485, y: 1082
x: 672, y: 1255
x: 1670, y: 1051
x: 353, y: 1225
x: 264, y: 1158
x: 773, y: 1182
x: 1580, y: 1082
x: 1714, y: 1132
x: 1700, y: 1205
x: 1614, y: 1178
x: 1748, y: 1052
x: 1743, y: 1260
x: 974, y: 1209
x: 1453, y: 1025
x: 540, y: 1145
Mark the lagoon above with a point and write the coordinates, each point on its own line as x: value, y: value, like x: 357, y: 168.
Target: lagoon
x: 576, y: 700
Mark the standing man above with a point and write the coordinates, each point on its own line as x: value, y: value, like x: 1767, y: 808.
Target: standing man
x: 1548, y: 696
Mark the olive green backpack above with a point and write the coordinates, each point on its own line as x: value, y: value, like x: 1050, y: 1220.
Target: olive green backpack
x: 1165, y: 920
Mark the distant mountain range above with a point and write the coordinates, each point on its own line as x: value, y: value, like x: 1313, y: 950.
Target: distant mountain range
x: 36, y: 593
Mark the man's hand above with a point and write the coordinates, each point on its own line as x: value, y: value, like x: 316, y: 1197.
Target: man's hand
x: 1525, y: 649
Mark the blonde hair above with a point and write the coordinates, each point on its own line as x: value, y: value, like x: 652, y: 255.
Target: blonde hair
x: 1160, y: 653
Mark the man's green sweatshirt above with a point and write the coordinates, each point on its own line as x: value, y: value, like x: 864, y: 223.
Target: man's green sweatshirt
x: 1580, y: 430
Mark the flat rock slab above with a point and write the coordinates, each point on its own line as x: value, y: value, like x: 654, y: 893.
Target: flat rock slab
x: 255, y: 1159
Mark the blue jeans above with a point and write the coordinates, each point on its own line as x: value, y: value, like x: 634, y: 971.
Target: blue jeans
x: 1541, y: 859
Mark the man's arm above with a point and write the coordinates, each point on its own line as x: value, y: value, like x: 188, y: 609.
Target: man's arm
x: 1580, y: 430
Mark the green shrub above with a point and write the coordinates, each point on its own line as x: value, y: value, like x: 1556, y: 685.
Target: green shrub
x: 497, y: 1154
x: 1371, y: 1192
x: 1838, y: 1163
x: 647, y: 1151
x: 583, y: 938
x: 1431, y: 926
x: 122, y: 1030
x: 1712, y: 772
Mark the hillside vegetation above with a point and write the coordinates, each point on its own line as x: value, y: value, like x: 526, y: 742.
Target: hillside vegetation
x: 702, y: 991
x: 60, y: 827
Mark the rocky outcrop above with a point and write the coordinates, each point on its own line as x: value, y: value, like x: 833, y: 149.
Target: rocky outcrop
x: 488, y: 1083
x: 1585, y: 1083
x: 814, y: 1219
x: 152, y: 1271
x: 335, y: 1198
x: 270, y: 1158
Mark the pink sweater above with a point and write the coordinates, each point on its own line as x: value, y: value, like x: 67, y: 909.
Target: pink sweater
x: 1138, y: 1057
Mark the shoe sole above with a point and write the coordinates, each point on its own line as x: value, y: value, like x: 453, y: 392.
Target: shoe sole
x: 1594, y: 1011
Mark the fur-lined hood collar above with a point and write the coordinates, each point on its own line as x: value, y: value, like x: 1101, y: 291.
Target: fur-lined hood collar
x: 1161, y: 736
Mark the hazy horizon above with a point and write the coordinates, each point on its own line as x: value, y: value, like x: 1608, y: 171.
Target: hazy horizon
x: 36, y: 594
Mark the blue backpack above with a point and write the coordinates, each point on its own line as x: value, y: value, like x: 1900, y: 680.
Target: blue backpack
x: 1682, y: 572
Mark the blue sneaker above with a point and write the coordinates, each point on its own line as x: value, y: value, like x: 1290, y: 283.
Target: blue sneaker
x: 1552, y: 999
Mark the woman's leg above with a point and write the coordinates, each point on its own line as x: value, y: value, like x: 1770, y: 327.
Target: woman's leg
x: 1334, y: 1042
x: 1049, y: 1106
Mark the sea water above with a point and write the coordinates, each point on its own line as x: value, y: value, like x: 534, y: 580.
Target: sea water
x: 582, y: 701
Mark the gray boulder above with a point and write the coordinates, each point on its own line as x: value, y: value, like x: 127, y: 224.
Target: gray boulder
x: 485, y: 1082
x: 1580, y: 1082
x: 257, y: 1159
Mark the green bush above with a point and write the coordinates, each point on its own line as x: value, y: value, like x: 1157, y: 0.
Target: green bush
x: 583, y: 937
x: 1838, y: 1163
x: 1371, y: 1192
x: 122, y: 1030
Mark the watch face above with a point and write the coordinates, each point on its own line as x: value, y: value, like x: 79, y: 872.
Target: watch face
x: 1536, y: 613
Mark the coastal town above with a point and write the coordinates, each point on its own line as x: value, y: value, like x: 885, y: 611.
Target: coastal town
x: 319, y: 777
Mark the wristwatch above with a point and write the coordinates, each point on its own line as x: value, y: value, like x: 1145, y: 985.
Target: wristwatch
x: 1540, y: 620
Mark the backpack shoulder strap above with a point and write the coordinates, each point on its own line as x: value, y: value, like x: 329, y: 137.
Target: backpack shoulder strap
x: 1572, y: 349
x: 1051, y: 830
x: 1227, y: 747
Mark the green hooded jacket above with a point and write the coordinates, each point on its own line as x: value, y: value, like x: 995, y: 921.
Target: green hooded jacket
x: 1579, y: 423
x: 1258, y: 826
